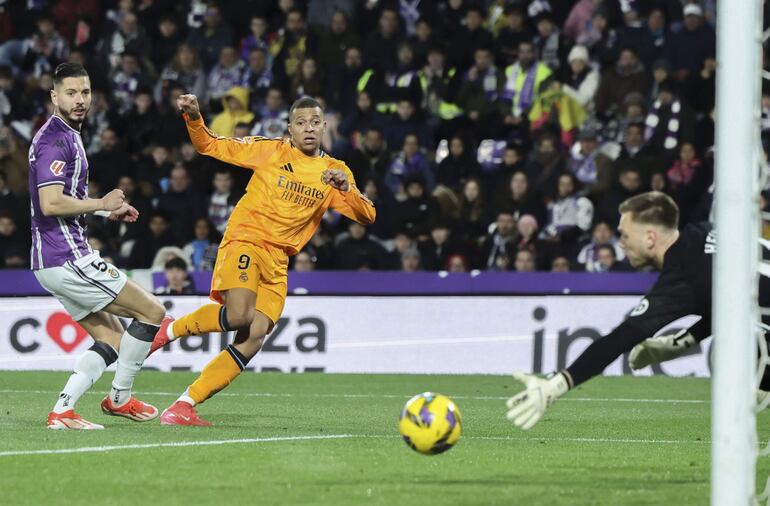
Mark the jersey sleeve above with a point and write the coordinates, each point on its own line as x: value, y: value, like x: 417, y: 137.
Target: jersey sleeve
x: 352, y: 203
x: 247, y: 152
x: 50, y: 162
x: 669, y: 300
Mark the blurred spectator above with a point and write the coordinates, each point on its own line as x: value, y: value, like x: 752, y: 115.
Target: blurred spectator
x: 128, y: 78
x: 39, y: 53
x: 303, y: 262
x: 581, y: 81
x: 357, y: 251
x: 528, y: 240
x: 523, y: 80
x: 629, y: 183
x: 469, y: 39
x: 418, y: 210
x: 128, y: 37
x: 560, y: 264
x: 500, y: 246
x: 222, y: 200
x: 11, y: 239
x: 457, y: 263
x: 669, y: 121
x: 474, y: 214
x: 178, y: 282
x: 406, y: 122
x: 209, y: 40
x: 257, y: 78
x: 14, y: 165
x: 440, y: 85
x: 591, y: 167
x: 435, y: 252
x: 288, y: 49
x: 144, y: 250
x: 409, y: 164
x: 627, y: 76
x: 480, y: 90
x: 256, y: 39
x: 458, y: 166
x: 111, y: 162
x: 520, y: 198
x: 225, y: 75
x: 334, y: 42
x: 410, y: 260
x: 525, y: 261
x: 511, y: 35
x: 166, y: 40
x: 380, y: 49
x: 342, y: 88
x: 551, y: 45
x: 402, y: 241
x: 545, y: 164
x: 202, y: 250
x: 634, y: 34
x: 606, y: 259
x: 688, y: 48
x: 656, y: 25
x: 272, y: 118
x: 602, y: 236
x: 600, y: 38
x: 308, y: 80
x: 182, y: 204
x: 236, y: 110
x: 185, y: 70
x: 579, y: 18
x: 141, y: 121
x: 371, y: 159
x: 570, y: 216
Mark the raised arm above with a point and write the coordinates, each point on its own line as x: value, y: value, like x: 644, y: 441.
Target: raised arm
x: 347, y: 199
x: 248, y: 152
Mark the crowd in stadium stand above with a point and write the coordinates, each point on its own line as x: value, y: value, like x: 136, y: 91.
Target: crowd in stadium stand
x: 492, y: 135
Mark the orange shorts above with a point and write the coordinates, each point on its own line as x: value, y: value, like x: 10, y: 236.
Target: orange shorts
x: 259, y: 268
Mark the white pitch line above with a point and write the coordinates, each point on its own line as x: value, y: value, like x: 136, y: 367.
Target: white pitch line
x: 386, y: 396
x: 216, y: 442
x: 101, y: 449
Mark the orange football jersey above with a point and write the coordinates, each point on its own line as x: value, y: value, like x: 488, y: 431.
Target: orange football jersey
x: 285, y: 198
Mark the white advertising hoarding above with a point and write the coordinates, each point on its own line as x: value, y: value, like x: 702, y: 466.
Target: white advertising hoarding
x: 445, y: 334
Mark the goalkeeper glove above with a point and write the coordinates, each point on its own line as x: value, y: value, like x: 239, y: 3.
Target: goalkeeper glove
x: 660, y: 348
x: 528, y: 406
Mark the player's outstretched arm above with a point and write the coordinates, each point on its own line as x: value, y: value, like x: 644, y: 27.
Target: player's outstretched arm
x: 249, y: 152
x: 53, y: 202
x: 348, y: 200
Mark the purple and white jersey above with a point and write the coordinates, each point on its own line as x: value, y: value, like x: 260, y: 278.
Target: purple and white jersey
x: 57, y: 157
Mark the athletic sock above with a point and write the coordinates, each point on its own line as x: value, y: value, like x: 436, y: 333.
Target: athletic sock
x: 207, y: 318
x: 134, y: 346
x: 217, y: 374
x: 88, y: 369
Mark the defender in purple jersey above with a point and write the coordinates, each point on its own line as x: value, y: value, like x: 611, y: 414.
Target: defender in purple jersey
x: 89, y: 288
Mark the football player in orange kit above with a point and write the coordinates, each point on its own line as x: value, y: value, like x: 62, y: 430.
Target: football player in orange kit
x: 294, y: 182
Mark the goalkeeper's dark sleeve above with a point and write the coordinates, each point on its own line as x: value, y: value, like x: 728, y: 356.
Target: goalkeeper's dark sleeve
x: 661, y: 306
x: 701, y: 329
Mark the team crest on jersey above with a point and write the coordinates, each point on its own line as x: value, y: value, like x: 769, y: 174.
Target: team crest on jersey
x: 641, y: 308
x: 113, y: 273
x: 57, y: 167
x: 243, y: 277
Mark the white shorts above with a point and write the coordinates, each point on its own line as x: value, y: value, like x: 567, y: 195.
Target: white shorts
x: 83, y: 286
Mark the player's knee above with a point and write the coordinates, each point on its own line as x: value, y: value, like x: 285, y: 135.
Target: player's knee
x: 156, y: 312
x: 240, y: 318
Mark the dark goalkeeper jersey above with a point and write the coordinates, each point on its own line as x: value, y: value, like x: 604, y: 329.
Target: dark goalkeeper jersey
x: 683, y: 288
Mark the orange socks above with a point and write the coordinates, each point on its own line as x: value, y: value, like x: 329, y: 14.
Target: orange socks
x: 217, y: 374
x: 208, y: 318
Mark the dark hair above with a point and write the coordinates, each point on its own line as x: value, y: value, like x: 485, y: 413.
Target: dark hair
x: 176, y: 263
x: 304, y: 103
x: 652, y: 208
x: 65, y: 70
x: 609, y: 248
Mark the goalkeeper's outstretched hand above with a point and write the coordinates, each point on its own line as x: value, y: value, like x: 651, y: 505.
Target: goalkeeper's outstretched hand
x: 526, y: 408
x: 660, y: 348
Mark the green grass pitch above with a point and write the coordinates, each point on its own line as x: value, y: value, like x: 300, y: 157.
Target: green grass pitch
x: 332, y: 439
